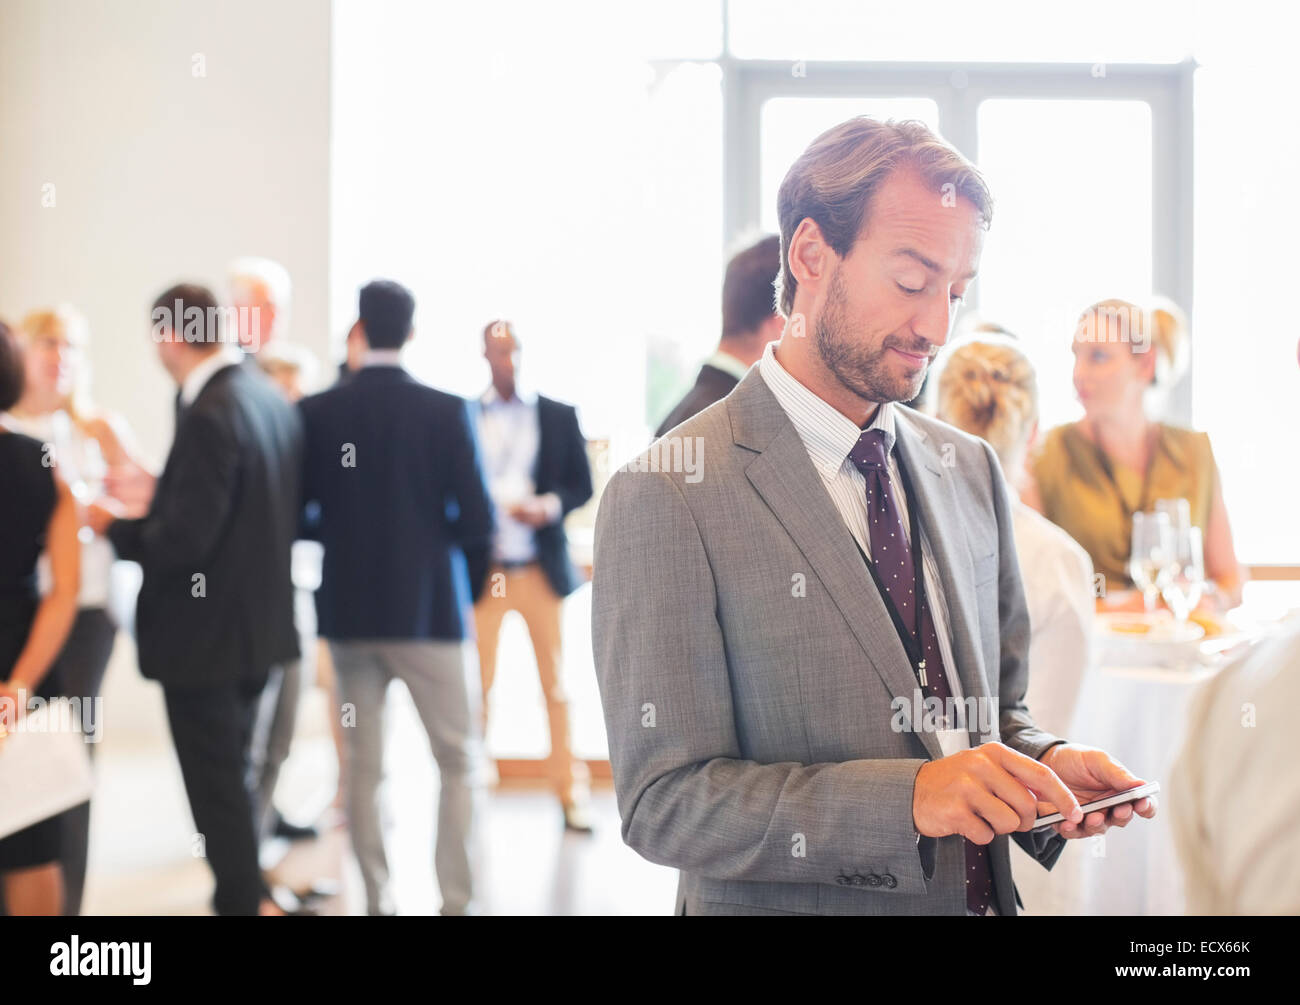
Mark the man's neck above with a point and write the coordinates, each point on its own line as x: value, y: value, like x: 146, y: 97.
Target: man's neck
x: 746, y: 351
x: 505, y: 390
x: 192, y: 363
x: 822, y: 383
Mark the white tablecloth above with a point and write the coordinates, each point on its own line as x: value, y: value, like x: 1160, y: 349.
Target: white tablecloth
x: 1137, y: 714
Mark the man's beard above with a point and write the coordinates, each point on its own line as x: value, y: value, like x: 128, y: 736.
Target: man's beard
x: 862, y: 370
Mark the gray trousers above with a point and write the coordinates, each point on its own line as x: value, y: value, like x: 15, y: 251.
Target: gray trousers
x: 442, y: 678
x: 277, y: 715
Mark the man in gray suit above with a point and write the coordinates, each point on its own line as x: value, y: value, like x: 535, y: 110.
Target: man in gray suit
x: 808, y: 713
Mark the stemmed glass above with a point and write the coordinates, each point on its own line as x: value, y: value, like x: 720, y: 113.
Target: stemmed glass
x: 1183, y: 590
x: 1152, y: 561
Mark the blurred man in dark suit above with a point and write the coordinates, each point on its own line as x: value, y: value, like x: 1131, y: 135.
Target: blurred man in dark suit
x: 215, y: 611
x: 749, y: 322
x: 395, y: 493
x: 536, y: 460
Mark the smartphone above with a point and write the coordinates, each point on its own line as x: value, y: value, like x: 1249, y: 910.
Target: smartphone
x: 1127, y: 796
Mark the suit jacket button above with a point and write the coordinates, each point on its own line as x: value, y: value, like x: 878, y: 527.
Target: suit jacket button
x: 873, y: 880
x: 890, y: 881
x: 843, y: 880
x: 859, y: 879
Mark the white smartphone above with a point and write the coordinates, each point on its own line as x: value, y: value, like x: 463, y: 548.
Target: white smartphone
x: 1127, y: 796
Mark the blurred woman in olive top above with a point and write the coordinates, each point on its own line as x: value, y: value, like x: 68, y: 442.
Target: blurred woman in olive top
x: 1089, y: 477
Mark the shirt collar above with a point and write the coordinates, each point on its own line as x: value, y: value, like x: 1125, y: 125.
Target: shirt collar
x: 382, y: 357
x: 828, y: 435
x: 727, y: 363
x: 523, y: 396
x: 197, y: 380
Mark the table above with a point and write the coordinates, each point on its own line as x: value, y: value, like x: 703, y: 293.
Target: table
x: 1138, y: 714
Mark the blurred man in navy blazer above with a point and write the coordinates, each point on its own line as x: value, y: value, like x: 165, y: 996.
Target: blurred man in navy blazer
x: 536, y: 460
x: 395, y: 493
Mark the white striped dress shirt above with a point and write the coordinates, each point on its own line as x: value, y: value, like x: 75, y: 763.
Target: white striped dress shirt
x: 829, y: 436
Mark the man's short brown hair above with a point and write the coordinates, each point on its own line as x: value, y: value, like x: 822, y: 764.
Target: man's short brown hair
x: 747, y: 288
x: 833, y: 181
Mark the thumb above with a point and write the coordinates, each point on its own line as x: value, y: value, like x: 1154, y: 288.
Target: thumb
x: 1112, y: 773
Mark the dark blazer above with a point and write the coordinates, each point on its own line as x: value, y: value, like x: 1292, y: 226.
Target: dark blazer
x: 225, y: 508
x: 711, y: 385
x: 562, y: 468
x: 394, y: 491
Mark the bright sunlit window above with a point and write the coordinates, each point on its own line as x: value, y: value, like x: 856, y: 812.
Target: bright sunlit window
x: 604, y: 131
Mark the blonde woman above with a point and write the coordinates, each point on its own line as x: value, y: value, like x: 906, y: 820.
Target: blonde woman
x: 987, y: 387
x: 92, y: 453
x: 1091, y: 476
x: 37, y: 513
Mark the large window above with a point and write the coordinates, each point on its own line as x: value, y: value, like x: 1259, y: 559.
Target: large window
x: 584, y: 168
x: 1072, y: 223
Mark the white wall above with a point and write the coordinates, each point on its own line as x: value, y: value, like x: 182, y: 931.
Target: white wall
x: 159, y: 174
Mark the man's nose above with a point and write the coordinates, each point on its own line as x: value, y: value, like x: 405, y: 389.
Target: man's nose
x: 934, y: 323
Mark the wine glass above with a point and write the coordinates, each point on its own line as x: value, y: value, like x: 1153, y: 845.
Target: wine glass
x: 1180, y: 516
x: 1152, y: 560
x: 1183, y: 590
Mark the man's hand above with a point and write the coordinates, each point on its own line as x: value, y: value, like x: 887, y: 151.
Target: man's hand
x: 1093, y: 774
x: 101, y: 513
x: 132, y: 486
x: 988, y: 790
x: 537, y: 511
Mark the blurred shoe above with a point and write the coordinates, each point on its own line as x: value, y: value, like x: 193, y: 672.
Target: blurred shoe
x: 320, y: 889
x: 577, y: 818
x: 287, y: 901
x: 292, y: 832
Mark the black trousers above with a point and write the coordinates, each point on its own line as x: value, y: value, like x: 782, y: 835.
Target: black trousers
x: 212, y: 728
x: 79, y: 673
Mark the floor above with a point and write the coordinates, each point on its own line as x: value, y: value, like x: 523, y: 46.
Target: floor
x: 143, y: 858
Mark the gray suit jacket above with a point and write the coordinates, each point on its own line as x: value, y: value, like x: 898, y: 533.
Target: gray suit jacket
x: 748, y: 668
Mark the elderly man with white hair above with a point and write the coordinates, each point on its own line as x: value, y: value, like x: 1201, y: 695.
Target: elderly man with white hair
x: 261, y: 292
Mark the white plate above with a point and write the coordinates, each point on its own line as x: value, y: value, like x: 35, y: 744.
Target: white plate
x: 1164, y: 642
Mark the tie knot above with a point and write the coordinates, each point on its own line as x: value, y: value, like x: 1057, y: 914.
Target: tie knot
x: 868, y: 454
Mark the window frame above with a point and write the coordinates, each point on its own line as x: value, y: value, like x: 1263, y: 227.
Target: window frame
x: 958, y: 89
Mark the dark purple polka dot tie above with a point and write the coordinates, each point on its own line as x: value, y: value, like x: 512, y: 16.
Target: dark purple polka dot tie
x: 892, y: 556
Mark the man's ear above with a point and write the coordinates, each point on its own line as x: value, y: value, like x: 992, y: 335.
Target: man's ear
x: 812, y: 260
x: 409, y: 335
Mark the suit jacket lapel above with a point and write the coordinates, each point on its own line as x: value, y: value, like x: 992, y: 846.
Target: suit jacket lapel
x: 940, y: 525
x: 784, y: 476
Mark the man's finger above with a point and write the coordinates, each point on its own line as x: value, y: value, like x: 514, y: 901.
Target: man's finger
x: 1011, y: 791
x: 1043, y: 780
x: 974, y: 828
x: 1113, y: 774
x: 1000, y: 817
